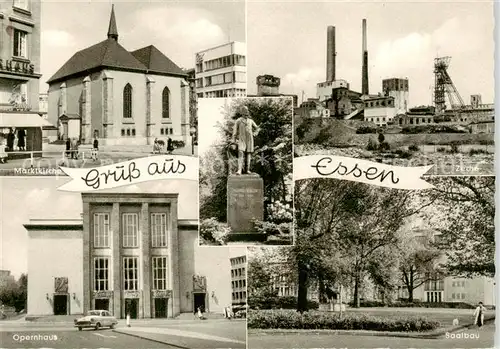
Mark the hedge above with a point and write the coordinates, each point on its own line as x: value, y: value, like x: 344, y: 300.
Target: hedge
x: 288, y: 302
x: 289, y: 319
x: 415, y: 304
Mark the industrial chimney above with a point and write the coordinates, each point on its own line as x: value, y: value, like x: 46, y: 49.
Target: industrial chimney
x: 330, y: 54
x: 364, y: 78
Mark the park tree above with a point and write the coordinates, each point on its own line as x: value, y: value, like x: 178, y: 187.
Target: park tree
x: 464, y: 214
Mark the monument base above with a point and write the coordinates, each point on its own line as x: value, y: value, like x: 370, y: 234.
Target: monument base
x: 245, y: 203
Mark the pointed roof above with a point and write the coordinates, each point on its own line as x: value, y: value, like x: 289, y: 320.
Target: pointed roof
x: 156, y: 62
x: 110, y: 54
x: 112, y: 30
x: 106, y: 54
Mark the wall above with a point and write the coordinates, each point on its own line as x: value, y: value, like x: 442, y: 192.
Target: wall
x: 54, y: 254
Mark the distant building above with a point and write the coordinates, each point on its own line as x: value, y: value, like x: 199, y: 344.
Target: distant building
x: 324, y: 89
x: 120, y: 97
x: 269, y: 86
x: 379, y: 109
x: 239, y: 280
x: 312, y: 108
x: 221, y: 71
x: 475, y: 112
x: 344, y: 103
x: 399, y: 90
x: 483, y: 127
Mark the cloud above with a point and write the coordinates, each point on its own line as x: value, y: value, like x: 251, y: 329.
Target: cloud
x: 304, y: 77
x: 57, y: 38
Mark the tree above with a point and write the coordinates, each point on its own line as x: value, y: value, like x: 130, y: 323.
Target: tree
x: 350, y: 222
x: 418, y: 260
x: 464, y: 214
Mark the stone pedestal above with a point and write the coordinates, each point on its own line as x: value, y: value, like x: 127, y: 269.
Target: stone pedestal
x: 245, y: 202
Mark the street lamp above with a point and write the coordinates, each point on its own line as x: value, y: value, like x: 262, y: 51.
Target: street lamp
x: 192, y: 132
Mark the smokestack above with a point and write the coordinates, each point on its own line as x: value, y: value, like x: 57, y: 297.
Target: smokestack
x: 330, y: 54
x: 364, y: 78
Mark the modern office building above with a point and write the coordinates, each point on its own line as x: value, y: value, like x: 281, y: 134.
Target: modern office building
x: 129, y: 253
x: 120, y: 97
x: 221, y: 71
x: 239, y: 280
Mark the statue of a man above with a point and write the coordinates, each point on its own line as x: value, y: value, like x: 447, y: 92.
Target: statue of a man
x: 243, y: 133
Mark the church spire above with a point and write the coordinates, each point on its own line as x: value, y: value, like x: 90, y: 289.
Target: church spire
x: 112, y: 31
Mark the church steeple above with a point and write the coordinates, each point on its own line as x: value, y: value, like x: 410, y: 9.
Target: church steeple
x: 112, y: 31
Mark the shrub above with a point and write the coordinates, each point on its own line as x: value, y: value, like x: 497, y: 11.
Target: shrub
x: 441, y: 149
x: 214, y: 232
x: 381, y: 138
x: 384, y: 146
x: 403, y: 303
x: 288, y: 319
x: 279, y: 212
x: 372, y: 145
x: 477, y: 151
x: 454, y: 148
x: 178, y: 144
x: 276, y: 302
x: 322, y: 137
x: 403, y: 154
x: 366, y: 129
x: 413, y: 147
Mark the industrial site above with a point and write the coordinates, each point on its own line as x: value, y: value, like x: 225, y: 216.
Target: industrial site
x: 455, y: 133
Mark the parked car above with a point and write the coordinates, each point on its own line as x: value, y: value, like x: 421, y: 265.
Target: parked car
x: 96, y: 319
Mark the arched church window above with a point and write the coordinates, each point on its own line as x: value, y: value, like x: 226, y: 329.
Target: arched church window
x: 127, y: 101
x: 166, y: 103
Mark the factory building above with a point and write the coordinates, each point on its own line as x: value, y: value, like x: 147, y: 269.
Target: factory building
x: 221, y: 71
x: 129, y: 253
x: 269, y: 86
x: 398, y: 89
x: 120, y: 97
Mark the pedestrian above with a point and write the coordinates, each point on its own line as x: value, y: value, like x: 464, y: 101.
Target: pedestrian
x: 10, y: 140
x: 21, y: 134
x: 68, y: 147
x: 3, y: 150
x: 95, y: 149
x: 228, y: 309
x: 479, y: 315
x: 170, y: 145
x: 200, y: 315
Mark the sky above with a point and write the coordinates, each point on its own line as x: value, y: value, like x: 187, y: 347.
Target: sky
x: 25, y: 198
x: 179, y: 29
x: 209, y: 115
x: 287, y: 39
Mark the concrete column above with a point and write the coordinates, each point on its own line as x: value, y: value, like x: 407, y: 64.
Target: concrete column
x: 86, y: 112
x: 87, y: 292
x: 149, y: 120
x: 117, y: 260
x: 108, y: 112
x: 146, y: 260
x: 175, y: 282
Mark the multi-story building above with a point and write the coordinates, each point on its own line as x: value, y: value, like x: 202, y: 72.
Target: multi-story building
x: 398, y: 89
x: 20, y: 73
x: 120, y: 97
x: 239, y: 280
x: 269, y: 86
x: 379, y: 109
x: 129, y: 253
x: 324, y: 89
x: 221, y: 71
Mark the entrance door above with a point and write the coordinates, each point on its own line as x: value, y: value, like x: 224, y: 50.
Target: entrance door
x: 101, y: 304
x: 199, y: 301
x: 132, y: 307
x: 161, y: 307
x: 60, y: 304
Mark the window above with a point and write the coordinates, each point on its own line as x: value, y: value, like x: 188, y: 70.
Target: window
x: 166, y: 103
x: 159, y: 229
x: 240, y: 76
x: 130, y: 229
x: 130, y: 277
x: 128, y: 132
x: 123, y: 132
x: 101, y: 274
x: 159, y: 273
x: 127, y: 101
x: 101, y: 230
x: 24, y: 4
x: 133, y: 132
x: 20, y: 47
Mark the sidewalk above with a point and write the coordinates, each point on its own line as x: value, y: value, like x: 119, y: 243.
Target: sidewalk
x: 181, y: 338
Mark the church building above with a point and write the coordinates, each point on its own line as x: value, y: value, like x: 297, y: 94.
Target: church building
x: 120, y: 97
